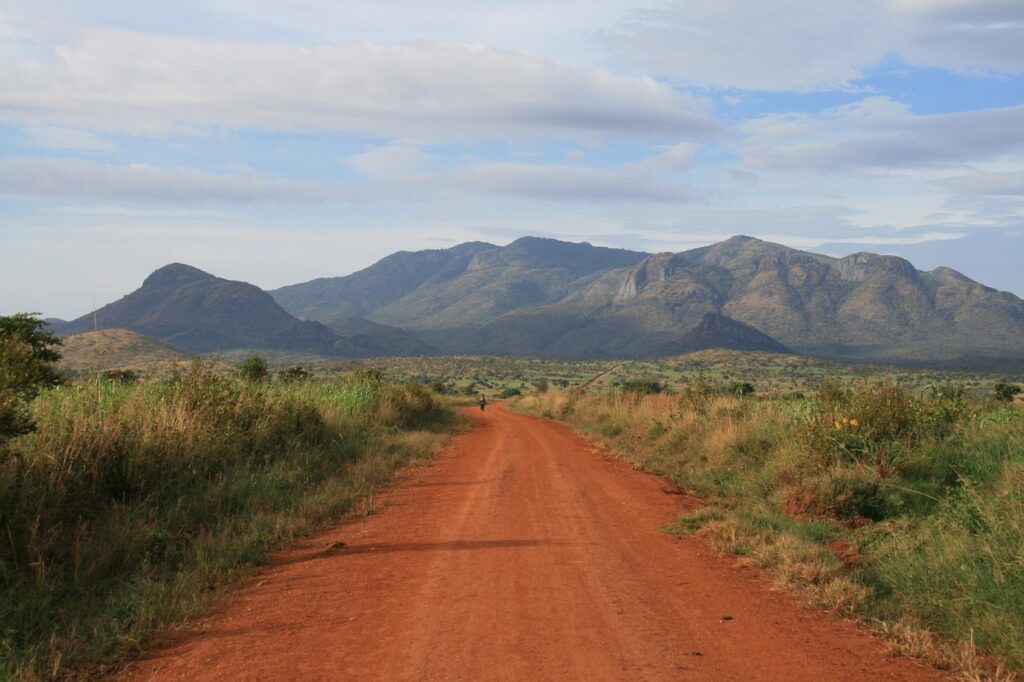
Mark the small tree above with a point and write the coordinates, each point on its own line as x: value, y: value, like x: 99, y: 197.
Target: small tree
x: 254, y: 368
x: 27, y: 364
x: 1005, y: 392
x: 29, y: 355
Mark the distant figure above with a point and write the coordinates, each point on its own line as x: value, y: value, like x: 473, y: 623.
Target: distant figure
x: 483, y: 402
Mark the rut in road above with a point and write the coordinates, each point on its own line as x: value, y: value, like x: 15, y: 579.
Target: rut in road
x: 519, y: 553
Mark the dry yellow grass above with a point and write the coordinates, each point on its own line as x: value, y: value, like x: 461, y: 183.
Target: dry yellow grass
x: 108, y: 349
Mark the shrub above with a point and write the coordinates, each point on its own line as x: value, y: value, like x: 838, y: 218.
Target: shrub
x: 1005, y: 392
x: 293, y: 374
x: 254, y: 368
x: 643, y: 386
x: 120, y: 376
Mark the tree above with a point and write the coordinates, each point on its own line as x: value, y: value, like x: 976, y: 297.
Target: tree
x: 1005, y: 392
x: 28, y: 354
x: 27, y: 364
x: 254, y: 368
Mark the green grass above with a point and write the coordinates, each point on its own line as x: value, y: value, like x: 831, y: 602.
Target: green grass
x: 900, y: 508
x: 132, y: 508
x: 770, y: 374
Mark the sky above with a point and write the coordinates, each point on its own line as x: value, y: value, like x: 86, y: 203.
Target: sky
x: 279, y: 142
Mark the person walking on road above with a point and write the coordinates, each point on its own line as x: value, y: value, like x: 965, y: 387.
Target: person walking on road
x: 483, y: 402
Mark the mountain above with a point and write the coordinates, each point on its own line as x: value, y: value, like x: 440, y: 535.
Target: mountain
x: 545, y: 297
x: 467, y: 285
x: 390, y: 279
x: 365, y: 339
x: 549, y: 298
x: 194, y: 311
x: 719, y: 331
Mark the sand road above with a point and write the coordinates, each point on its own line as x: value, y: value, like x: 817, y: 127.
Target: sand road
x: 519, y: 553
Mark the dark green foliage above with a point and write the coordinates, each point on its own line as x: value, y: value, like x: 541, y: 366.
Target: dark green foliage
x: 741, y: 388
x: 509, y: 392
x: 28, y: 354
x: 120, y: 376
x: 28, y: 358
x: 1005, y: 392
x: 643, y: 386
x: 254, y: 368
x: 292, y: 374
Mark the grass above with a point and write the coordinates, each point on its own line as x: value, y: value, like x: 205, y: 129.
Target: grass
x: 903, y: 510
x: 133, y: 507
x: 767, y: 372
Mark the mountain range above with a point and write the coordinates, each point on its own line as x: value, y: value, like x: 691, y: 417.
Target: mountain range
x: 545, y: 297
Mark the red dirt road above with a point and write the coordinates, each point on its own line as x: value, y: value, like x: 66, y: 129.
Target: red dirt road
x: 519, y: 553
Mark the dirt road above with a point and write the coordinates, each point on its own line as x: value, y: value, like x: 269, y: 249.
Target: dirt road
x: 520, y: 553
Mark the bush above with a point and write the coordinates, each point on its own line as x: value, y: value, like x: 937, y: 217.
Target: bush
x: 254, y: 369
x: 643, y: 386
x: 509, y: 392
x: 120, y: 376
x: 741, y: 388
x: 293, y: 374
x: 1005, y: 392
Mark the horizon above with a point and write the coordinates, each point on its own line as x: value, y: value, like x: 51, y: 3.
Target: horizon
x: 274, y: 145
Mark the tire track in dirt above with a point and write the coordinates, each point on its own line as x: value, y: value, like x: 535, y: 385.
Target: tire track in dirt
x: 519, y: 553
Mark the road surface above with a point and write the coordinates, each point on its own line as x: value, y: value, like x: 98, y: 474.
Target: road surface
x: 519, y: 553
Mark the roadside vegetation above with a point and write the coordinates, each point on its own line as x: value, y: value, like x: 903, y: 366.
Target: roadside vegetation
x: 903, y: 509
x: 128, y: 507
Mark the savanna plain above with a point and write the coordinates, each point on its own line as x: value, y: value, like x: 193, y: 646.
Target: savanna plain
x: 133, y: 502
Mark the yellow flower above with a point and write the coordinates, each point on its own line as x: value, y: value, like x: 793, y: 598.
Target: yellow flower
x: 854, y: 422
x: 839, y: 425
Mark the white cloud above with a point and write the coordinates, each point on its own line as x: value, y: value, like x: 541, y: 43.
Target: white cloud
x: 790, y: 45
x: 880, y: 134
x: 56, y: 137
x: 141, y: 84
x: 387, y: 160
x: 673, y: 160
x: 150, y: 184
x: 987, y: 184
x: 571, y: 183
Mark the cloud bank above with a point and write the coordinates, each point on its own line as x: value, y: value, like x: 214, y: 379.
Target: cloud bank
x: 127, y: 82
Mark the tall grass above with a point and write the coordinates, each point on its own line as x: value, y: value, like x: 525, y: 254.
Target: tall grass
x: 131, y: 506
x: 901, y: 509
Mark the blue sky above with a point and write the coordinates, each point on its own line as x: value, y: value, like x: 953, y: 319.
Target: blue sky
x: 275, y: 144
